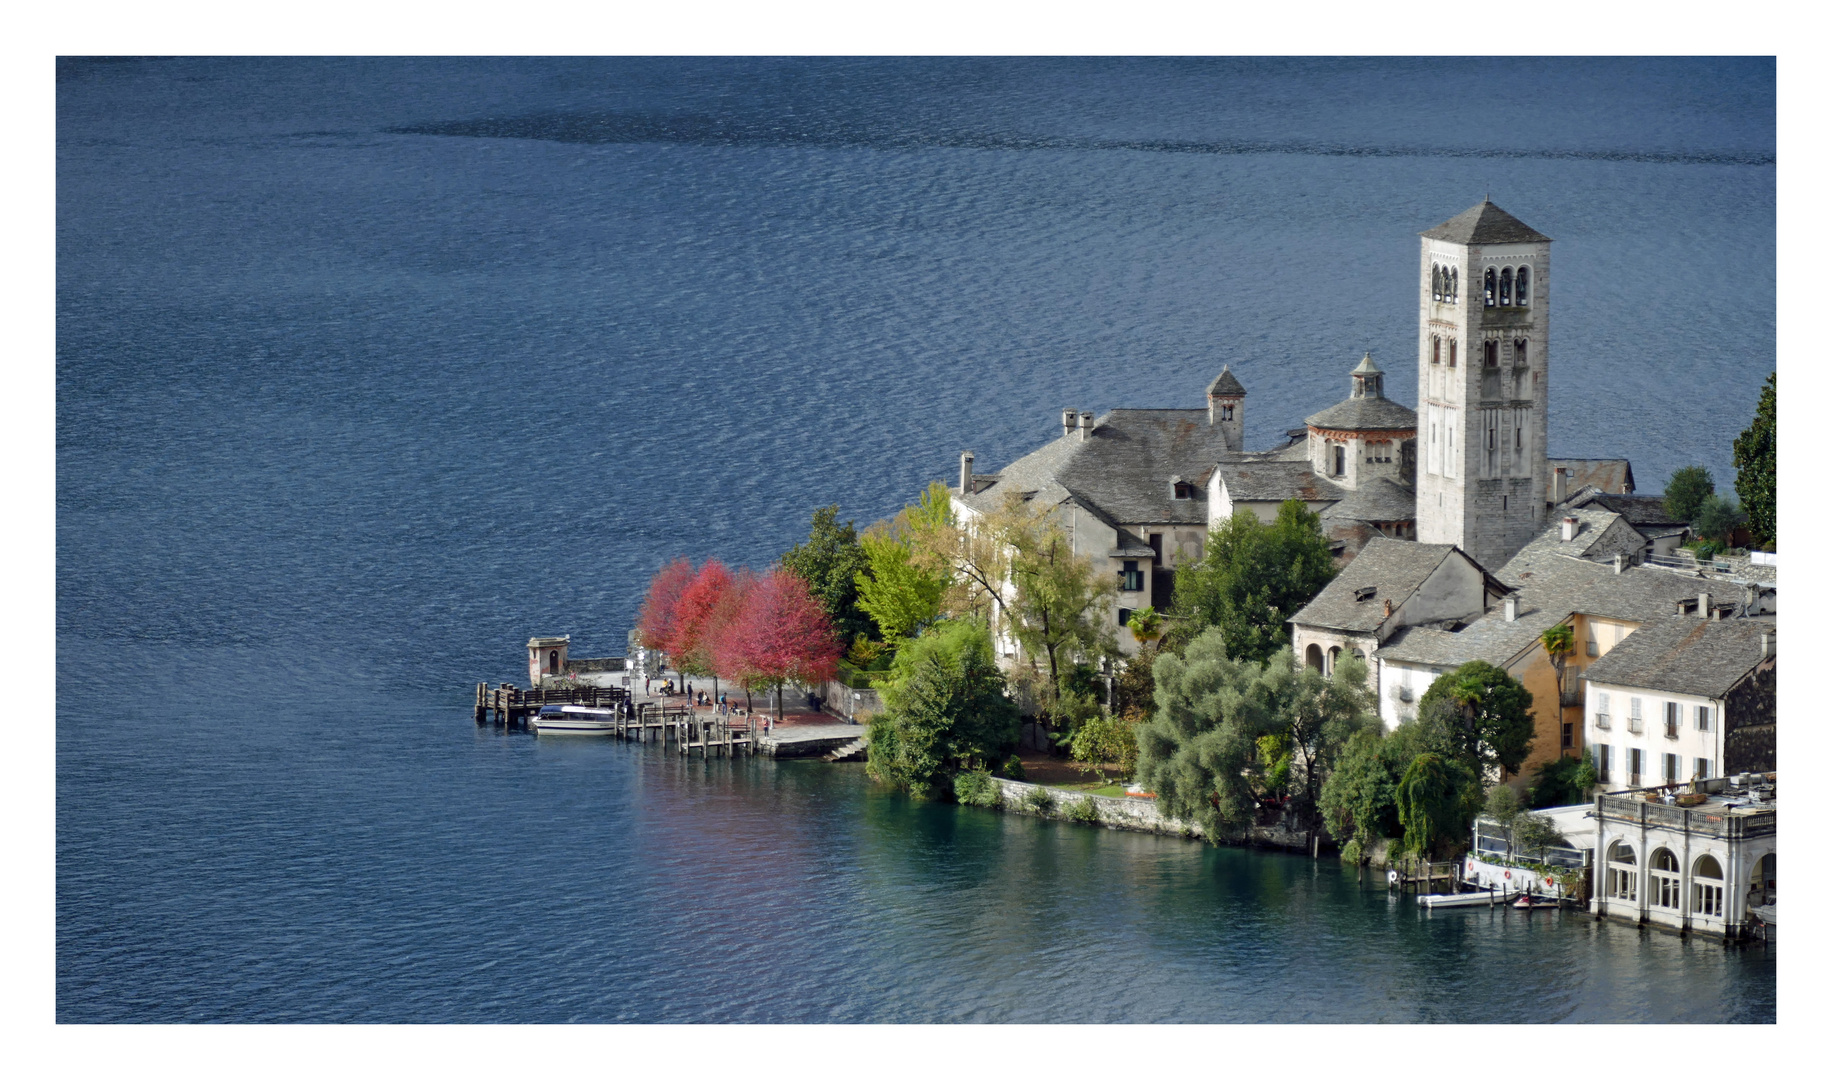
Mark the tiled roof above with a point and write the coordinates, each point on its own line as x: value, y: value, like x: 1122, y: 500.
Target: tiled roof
x: 1394, y: 569
x: 1638, y: 509
x: 1366, y: 414
x: 1485, y: 223
x: 1379, y: 499
x: 1122, y: 471
x: 1260, y: 479
x: 1592, y: 524
x: 1425, y: 645
x: 1226, y: 384
x: 1684, y: 654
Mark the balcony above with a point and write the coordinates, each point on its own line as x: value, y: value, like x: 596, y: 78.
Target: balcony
x: 1634, y: 725
x: 1603, y: 720
x: 1571, y: 688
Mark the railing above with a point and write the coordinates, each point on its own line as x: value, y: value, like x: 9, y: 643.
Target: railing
x: 1708, y: 821
x: 1603, y: 720
x: 1571, y: 687
x: 1634, y: 725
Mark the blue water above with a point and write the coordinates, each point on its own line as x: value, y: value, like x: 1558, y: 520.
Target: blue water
x: 368, y: 369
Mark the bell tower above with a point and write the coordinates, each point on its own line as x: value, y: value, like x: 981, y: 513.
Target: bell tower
x: 1484, y: 283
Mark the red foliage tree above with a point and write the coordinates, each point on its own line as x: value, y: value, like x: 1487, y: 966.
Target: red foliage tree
x: 782, y: 634
x: 692, y: 655
x: 660, y: 617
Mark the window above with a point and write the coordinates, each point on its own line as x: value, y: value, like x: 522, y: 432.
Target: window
x: 1634, y: 716
x: 1227, y: 412
x: 1520, y: 287
x: 1132, y: 579
x: 1634, y: 766
x: 1436, y: 345
x: 1453, y: 352
x: 1672, y: 719
x: 1603, y: 760
x: 1488, y: 287
x: 1623, y: 874
x: 1517, y: 440
x: 1507, y: 287
x: 1590, y: 646
x: 1663, y: 880
x: 1708, y: 888
x: 1701, y: 768
x: 1183, y: 490
x: 1453, y: 284
x: 1340, y: 464
x: 1491, y: 354
x: 1125, y: 615
x: 1702, y: 717
x: 1437, y: 284
x: 1520, y: 352
x: 1669, y: 768
x: 1564, y: 737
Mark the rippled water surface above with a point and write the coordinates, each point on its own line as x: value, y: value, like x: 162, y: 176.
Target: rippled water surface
x: 368, y: 369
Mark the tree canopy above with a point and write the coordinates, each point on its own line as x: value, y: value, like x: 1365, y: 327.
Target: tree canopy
x: 899, y: 593
x: 830, y: 561
x: 778, y: 634
x: 1435, y: 804
x: 1754, y: 456
x: 1229, y: 736
x: 945, y: 712
x: 1686, y: 489
x: 1488, y: 713
x: 1057, y: 605
x: 1716, y: 519
x: 659, y: 620
x: 1252, y: 577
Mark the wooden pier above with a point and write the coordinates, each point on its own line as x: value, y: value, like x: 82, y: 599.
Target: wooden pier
x: 709, y: 733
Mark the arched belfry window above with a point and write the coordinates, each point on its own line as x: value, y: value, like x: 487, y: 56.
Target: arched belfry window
x: 1491, y: 354
x: 1520, y: 352
x: 1453, y: 284
x: 1520, y: 287
x: 1507, y: 286
x: 1437, y: 283
x: 1453, y: 352
x: 1488, y: 287
x: 1436, y: 343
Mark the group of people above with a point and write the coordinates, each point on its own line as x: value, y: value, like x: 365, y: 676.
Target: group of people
x: 723, y: 706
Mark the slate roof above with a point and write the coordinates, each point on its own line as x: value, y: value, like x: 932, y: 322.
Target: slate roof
x: 1263, y: 479
x: 1121, y: 472
x: 1226, y: 384
x: 1638, y: 509
x: 1366, y: 414
x: 1549, y: 585
x: 1684, y: 654
x: 1592, y: 524
x: 1394, y: 568
x: 1604, y: 474
x: 1380, y: 499
x: 1425, y: 645
x: 1485, y: 223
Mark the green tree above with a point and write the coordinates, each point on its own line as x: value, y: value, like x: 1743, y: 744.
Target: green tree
x: 1252, y: 578
x: 1686, y: 489
x: 1229, y: 736
x: 1056, y: 610
x: 830, y: 561
x: 901, y: 595
x: 1489, y: 714
x: 1564, y: 782
x: 1503, y: 805
x: 946, y: 711
x: 1146, y: 625
x: 1435, y: 807
x: 1360, y: 800
x: 1717, y: 518
x: 1754, y: 456
x: 1533, y: 834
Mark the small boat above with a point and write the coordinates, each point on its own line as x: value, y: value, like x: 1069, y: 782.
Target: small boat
x: 1530, y: 901
x: 1484, y: 898
x: 574, y: 720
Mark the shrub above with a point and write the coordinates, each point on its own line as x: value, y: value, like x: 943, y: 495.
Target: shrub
x: 1012, y: 768
x: 1084, y: 810
x: 1351, y: 853
x: 978, y: 788
x: 1106, y: 740
x: 1040, y: 801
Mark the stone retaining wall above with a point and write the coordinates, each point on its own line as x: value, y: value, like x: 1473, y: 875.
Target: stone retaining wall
x: 855, y: 706
x: 1141, y: 815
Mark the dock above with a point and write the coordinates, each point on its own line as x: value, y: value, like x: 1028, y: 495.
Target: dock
x: 690, y: 730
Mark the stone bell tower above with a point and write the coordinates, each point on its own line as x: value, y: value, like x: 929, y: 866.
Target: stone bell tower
x: 1484, y: 282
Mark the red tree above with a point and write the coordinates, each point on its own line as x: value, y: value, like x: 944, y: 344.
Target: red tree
x: 781, y: 635
x: 660, y: 618
x: 692, y: 654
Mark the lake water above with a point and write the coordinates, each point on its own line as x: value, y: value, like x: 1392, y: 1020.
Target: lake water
x: 370, y: 369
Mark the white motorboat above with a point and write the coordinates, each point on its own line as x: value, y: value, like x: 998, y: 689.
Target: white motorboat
x: 1467, y: 899
x: 574, y: 720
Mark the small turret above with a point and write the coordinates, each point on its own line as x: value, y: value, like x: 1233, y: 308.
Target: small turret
x: 1227, y: 407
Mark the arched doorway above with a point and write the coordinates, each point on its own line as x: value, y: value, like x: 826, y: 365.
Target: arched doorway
x: 1762, y: 881
x: 553, y: 661
x: 1335, y: 653
x: 1708, y: 887
x: 1624, y: 875
x: 1663, y: 880
x: 1313, y: 657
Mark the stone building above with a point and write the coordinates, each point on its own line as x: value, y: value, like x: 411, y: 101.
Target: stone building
x: 1391, y: 585
x: 1684, y: 698
x: 1701, y: 863
x: 1482, y: 383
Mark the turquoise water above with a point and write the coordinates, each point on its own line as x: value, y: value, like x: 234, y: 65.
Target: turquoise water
x: 370, y: 369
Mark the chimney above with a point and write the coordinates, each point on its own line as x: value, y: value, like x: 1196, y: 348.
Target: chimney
x: 1558, y: 486
x: 1387, y: 608
x: 966, y: 472
x: 1768, y: 644
x: 1510, y: 608
x: 1068, y: 422
x: 1704, y: 605
x: 1087, y: 425
x: 1621, y: 561
x: 1568, y: 529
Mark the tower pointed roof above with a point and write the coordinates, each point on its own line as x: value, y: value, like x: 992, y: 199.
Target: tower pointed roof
x: 1486, y: 223
x: 1226, y: 385
x: 1366, y: 367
